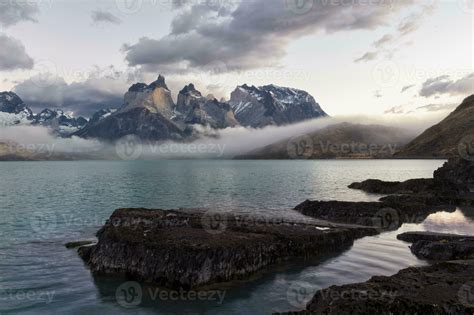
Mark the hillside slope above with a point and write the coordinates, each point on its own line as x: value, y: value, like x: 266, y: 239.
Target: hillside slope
x: 442, y: 140
x: 344, y: 140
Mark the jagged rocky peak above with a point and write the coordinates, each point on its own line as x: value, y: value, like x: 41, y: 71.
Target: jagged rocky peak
x: 11, y: 103
x: 62, y: 123
x: 193, y: 108
x: 102, y: 114
x: 160, y: 82
x: 273, y: 105
x: 155, y: 97
x: 187, y: 97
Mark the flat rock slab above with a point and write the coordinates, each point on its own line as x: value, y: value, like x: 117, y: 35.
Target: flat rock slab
x: 411, y: 186
x: 439, y: 246
x: 444, y: 288
x: 412, y: 237
x: 193, y: 248
x: 388, y: 214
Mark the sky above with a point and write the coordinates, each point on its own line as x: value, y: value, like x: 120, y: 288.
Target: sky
x: 359, y: 57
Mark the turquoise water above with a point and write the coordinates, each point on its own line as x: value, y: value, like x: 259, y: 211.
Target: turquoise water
x: 45, y: 204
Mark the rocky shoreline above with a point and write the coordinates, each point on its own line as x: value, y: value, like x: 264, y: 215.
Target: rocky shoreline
x: 193, y: 248
x: 443, y: 288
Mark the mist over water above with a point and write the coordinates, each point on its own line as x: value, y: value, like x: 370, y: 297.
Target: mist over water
x: 224, y: 143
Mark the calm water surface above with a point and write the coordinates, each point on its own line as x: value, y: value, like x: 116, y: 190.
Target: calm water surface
x: 45, y: 204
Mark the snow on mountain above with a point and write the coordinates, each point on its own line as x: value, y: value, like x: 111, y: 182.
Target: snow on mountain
x: 13, y: 111
x: 273, y: 105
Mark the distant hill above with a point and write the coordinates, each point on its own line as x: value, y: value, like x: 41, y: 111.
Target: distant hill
x: 344, y: 140
x: 442, y: 140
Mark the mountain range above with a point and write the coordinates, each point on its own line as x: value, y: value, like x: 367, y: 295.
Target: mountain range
x: 13, y: 111
x: 149, y: 112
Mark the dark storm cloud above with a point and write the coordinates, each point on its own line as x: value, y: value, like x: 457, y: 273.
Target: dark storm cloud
x: 251, y: 33
x: 82, y: 98
x: 99, y: 16
x: 13, y: 55
x: 13, y: 12
x: 445, y: 85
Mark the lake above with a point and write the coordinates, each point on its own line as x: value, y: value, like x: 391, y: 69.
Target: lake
x: 46, y: 204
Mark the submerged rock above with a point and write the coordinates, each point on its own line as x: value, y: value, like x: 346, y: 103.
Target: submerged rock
x: 78, y: 244
x: 182, y: 249
x: 440, y: 246
x: 444, y: 288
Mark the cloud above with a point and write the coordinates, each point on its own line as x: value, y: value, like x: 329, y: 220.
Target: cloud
x: 368, y: 56
x: 437, y: 107
x: 104, y: 17
x: 248, y: 34
x: 97, y: 91
x: 408, y: 25
x: 387, y: 38
x: 13, y: 12
x: 395, y: 110
x: 407, y: 87
x: 445, y: 85
x: 13, y: 54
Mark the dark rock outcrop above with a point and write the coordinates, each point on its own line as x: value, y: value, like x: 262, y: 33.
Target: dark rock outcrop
x: 452, y: 184
x: 457, y: 174
x: 138, y: 121
x: 184, y: 249
x: 411, y: 186
x: 444, y: 288
x: 11, y: 103
x: 388, y: 214
x: 193, y: 108
x: 439, y: 246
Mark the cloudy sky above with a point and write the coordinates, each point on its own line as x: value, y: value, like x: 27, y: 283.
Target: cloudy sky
x: 377, y: 57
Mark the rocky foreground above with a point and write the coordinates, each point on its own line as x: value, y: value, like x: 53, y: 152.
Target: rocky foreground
x: 190, y: 249
x: 439, y: 246
x: 443, y: 288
